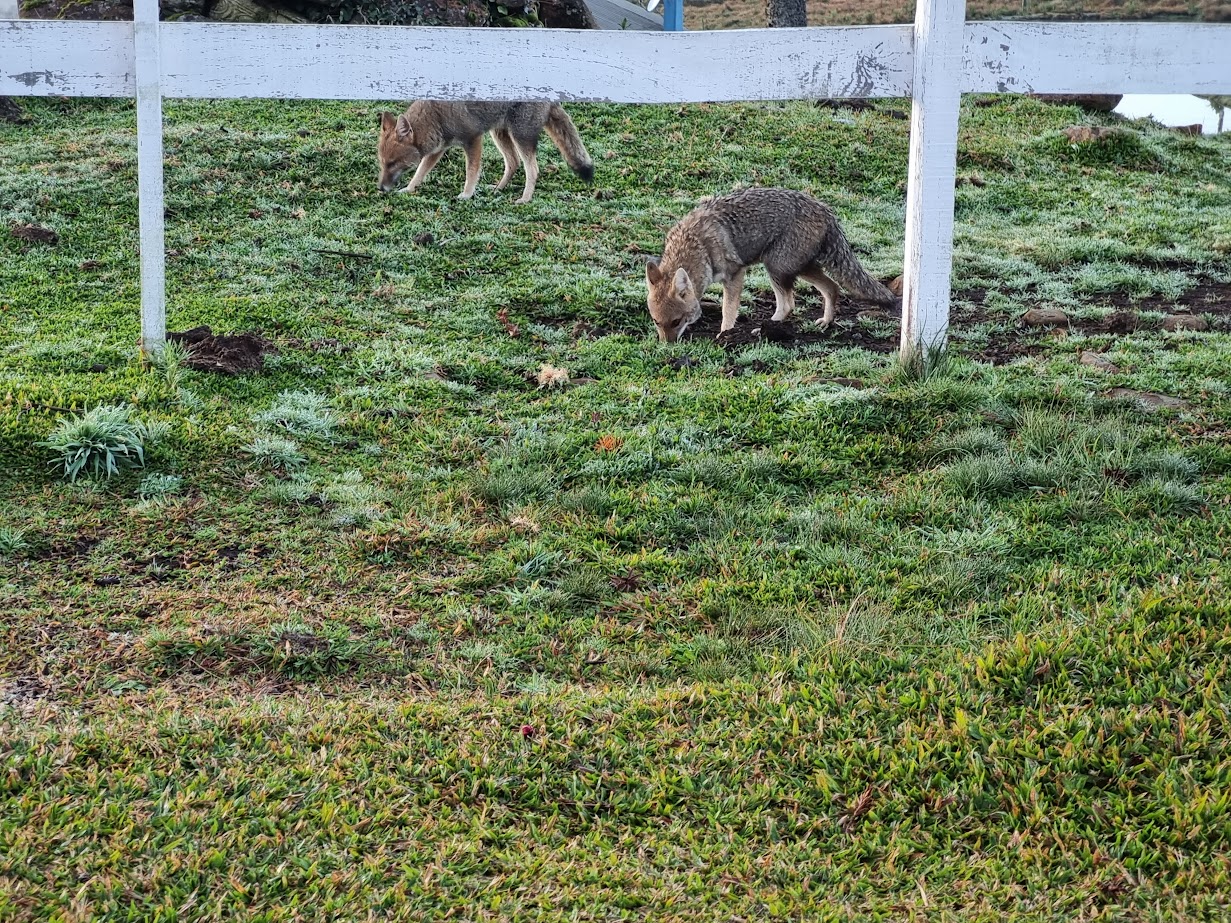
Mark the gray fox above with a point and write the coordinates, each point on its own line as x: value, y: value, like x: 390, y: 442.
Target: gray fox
x: 793, y: 234
x: 428, y: 128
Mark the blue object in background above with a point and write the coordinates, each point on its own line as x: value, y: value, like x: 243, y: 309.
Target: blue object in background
x: 673, y: 15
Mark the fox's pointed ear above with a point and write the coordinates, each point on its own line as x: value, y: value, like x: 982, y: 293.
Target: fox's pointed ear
x: 387, y: 121
x: 683, y: 284
x: 404, y: 130
x: 653, y: 274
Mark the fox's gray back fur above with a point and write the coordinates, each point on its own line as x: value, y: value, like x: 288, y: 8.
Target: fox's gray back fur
x: 786, y: 230
x: 428, y: 127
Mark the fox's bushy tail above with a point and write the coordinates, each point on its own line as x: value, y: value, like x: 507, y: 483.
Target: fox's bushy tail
x: 844, y: 268
x: 563, y: 134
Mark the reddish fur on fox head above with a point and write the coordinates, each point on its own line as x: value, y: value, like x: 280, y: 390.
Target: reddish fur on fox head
x: 397, y: 150
x: 673, y: 300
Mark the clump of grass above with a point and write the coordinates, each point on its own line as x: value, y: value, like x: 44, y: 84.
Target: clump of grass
x: 1162, y: 496
x: 157, y: 486
x: 12, y: 541
x: 100, y: 443
x: 1167, y: 465
x: 1042, y: 473
x: 298, y: 488
x: 1116, y: 148
x: 981, y: 477
x: 584, y: 587
x: 978, y: 440
x: 354, y: 502
x: 300, y: 652
x: 922, y: 364
x: 590, y: 499
x: 277, y: 452
x: 508, y: 482
x: 301, y: 413
x: 708, y: 469
x: 1041, y: 434
x: 172, y: 362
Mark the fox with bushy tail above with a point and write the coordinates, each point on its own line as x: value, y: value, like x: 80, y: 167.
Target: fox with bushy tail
x: 428, y: 128
x: 793, y: 234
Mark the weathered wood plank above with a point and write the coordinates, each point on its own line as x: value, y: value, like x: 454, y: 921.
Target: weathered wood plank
x: 50, y: 58
x: 933, y: 163
x: 1111, y: 57
x: 382, y: 62
x: 42, y: 58
x: 149, y: 175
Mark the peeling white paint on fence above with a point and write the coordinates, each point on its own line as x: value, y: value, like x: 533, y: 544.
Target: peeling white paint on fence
x: 50, y: 58
x: 215, y: 60
x: 1097, y: 57
x: 232, y: 60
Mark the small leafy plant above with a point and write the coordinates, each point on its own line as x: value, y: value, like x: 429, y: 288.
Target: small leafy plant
x: 100, y: 443
x: 301, y: 413
x: 12, y: 540
x: 276, y: 452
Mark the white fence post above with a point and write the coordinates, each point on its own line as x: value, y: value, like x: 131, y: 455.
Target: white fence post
x: 936, y: 98
x: 8, y: 9
x: 148, y: 66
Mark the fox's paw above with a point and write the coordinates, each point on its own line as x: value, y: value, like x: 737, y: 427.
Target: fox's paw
x: 407, y: 190
x: 522, y: 201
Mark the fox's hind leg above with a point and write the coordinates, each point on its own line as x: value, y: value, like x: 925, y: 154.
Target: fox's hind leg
x: 474, y: 164
x: 784, y: 295
x: 527, y: 149
x: 504, y: 144
x: 828, y: 288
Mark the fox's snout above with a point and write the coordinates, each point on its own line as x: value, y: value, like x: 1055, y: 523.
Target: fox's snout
x: 388, y: 180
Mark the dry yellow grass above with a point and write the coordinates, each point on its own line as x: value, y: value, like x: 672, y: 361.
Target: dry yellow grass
x: 744, y: 14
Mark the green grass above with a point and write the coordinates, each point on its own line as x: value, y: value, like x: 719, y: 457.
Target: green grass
x: 389, y: 629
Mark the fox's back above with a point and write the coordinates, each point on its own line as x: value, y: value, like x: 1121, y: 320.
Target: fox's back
x: 759, y: 219
x: 472, y: 118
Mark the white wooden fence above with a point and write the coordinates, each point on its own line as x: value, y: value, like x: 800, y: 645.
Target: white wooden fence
x: 934, y: 62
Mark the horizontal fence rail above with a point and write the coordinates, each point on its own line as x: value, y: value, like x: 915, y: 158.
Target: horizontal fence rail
x: 228, y: 61
x: 934, y: 61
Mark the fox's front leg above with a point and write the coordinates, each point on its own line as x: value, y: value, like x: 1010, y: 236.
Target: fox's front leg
x: 474, y: 163
x: 731, y: 290
x: 425, y: 167
x: 784, y: 295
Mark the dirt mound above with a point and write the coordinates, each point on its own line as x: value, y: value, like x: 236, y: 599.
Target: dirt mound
x: 226, y: 354
x: 34, y: 233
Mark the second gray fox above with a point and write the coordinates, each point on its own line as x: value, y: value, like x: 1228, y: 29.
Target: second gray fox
x: 422, y: 133
x: 792, y: 233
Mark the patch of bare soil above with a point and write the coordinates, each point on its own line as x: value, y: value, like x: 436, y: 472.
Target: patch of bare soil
x: 11, y: 112
x: 34, y: 233
x: 877, y: 328
x: 22, y: 690
x: 226, y: 354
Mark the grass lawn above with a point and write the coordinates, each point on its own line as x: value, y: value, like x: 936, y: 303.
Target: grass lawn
x: 770, y: 631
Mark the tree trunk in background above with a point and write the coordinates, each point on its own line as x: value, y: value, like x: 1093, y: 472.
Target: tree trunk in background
x: 786, y: 13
